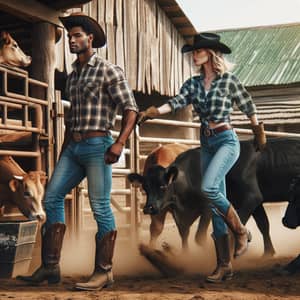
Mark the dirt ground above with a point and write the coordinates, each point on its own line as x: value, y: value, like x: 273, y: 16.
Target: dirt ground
x: 136, y: 279
x: 260, y: 283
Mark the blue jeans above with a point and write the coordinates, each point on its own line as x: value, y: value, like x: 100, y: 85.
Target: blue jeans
x: 218, y: 154
x: 80, y: 160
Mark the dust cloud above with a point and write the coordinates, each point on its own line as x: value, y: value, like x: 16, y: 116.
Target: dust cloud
x: 78, y: 255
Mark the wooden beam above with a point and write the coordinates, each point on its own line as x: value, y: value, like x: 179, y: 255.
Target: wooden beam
x: 66, y: 3
x: 31, y: 10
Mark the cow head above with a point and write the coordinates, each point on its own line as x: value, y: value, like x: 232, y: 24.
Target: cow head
x: 26, y: 192
x: 291, y: 217
x: 10, y: 53
x: 156, y: 183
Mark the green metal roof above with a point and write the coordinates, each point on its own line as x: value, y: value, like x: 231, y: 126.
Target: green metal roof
x: 265, y: 55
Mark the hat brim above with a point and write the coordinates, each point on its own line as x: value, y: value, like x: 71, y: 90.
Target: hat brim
x: 99, y: 35
x: 213, y: 45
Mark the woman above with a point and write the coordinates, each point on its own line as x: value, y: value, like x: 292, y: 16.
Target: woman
x: 213, y: 93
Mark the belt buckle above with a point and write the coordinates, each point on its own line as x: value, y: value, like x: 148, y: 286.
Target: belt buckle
x: 76, y: 136
x: 207, y: 131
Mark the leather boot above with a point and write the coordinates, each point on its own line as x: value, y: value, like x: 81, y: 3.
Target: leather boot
x: 52, y: 239
x: 102, y: 275
x: 223, y: 270
x: 241, y: 234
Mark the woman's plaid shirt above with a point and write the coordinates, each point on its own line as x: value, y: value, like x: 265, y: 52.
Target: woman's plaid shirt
x: 217, y: 105
x: 96, y: 93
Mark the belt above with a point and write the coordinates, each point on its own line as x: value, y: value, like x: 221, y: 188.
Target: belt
x: 208, y: 132
x: 79, y: 136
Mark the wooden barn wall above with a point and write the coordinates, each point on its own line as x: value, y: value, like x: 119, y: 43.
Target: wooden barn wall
x: 278, y: 107
x: 143, y: 41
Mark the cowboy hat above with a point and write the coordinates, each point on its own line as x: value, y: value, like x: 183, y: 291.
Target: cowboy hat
x: 77, y: 19
x: 206, y: 40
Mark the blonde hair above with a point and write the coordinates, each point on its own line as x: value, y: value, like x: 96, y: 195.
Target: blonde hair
x: 219, y: 63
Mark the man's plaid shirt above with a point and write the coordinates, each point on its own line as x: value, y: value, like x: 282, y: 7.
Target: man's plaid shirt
x: 95, y: 95
x: 217, y: 105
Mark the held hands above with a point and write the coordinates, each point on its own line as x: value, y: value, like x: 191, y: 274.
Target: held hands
x: 113, y: 153
x: 259, y: 136
x: 150, y: 113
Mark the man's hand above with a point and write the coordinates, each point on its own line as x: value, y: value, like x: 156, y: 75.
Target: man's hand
x: 150, y: 113
x: 113, y: 153
x: 260, y: 140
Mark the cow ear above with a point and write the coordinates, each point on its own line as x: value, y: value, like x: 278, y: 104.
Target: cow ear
x: 4, y: 38
x: 171, y: 174
x: 13, y: 185
x: 136, y: 179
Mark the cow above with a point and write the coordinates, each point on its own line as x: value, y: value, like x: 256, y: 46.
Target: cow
x: 156, y: 162
x: 256, y: 178
x: 10, y: 53
x: 291, y: 217
x: 291, y: 220
x: 21, y: 189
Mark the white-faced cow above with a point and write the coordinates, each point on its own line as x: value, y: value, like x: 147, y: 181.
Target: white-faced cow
x: 21, y: 189
x: 254, y: 179
x: 158, y: 160
x: 10, y: 53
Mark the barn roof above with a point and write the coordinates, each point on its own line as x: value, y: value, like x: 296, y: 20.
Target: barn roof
x: 265, y: 55
x: 178, y: 18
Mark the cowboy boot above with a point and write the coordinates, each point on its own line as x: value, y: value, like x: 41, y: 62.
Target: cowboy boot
x: 102, y: 275
x: 223, y: 270
x: 241, y: 234
x: 52, y: 239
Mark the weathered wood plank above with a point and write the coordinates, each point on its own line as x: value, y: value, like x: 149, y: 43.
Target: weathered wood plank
x: 130, y: 31
x: 31, y: 10
x: 101, y: 20
x: 111, y: 49
x: 120, y: 51
x: 109, y: 11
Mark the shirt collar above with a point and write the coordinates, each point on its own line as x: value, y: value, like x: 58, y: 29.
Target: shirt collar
x: 91, y: 62
x: 218, y: 76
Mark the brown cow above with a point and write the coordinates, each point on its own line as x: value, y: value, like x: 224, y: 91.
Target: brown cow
x: 163, y: 156
x: 21, y: 189
x: 10, y: 53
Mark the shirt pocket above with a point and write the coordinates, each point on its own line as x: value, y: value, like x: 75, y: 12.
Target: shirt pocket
x: 222, y: 93
x: 90, y: 91
x: 221, y: 98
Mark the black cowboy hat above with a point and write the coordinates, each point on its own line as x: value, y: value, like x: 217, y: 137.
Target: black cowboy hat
x: 206, y: 40
x: 78, y: 18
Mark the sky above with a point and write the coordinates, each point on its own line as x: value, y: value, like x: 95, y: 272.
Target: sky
x: 209, y: 15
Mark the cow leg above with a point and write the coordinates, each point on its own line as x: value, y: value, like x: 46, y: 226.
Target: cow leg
x: 183, y: 224
x: 263, y: 225
x: 201, y: 233
x: 184, y: 231
x: 156, y: 227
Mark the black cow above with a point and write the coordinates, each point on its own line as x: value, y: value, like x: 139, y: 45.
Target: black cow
x: 254, y: 179
x: 291, y: 217
x: 179, y: 193
x: 291, y: 220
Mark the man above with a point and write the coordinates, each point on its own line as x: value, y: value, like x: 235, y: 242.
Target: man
x: 96, y: 89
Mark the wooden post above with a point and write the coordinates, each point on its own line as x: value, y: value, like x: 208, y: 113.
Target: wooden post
x: 43, y: 65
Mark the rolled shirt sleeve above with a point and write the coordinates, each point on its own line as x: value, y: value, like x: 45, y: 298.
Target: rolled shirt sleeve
x: 242, y: 98
x: 118, y: 88
x: 182, y: 99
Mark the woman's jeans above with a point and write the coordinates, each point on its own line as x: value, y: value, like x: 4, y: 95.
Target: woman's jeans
x: 219, y: 152
x: 79, y: 160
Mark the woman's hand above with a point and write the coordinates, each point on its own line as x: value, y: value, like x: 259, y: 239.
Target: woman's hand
x: 260, y: 140
x: 150, y: 113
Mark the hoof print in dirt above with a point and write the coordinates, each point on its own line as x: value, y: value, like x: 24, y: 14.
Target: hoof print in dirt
x: 165, y: 260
